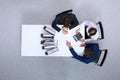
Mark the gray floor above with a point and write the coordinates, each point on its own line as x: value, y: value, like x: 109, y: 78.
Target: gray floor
x: 14, y: 13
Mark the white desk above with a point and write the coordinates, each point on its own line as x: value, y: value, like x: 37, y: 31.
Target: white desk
x: 61, y: 42
x: 30, y: 42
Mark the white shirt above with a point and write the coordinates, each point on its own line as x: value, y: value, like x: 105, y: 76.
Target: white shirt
x: 94, y: 37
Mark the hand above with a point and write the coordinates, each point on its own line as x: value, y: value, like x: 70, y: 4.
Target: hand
x: 64, y: 30
x: 82, y: 45
x: 77, y: 31
x: 68, y: 44
x: 82, y: 40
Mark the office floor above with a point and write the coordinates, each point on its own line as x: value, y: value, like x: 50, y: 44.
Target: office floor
x: 14, y: 13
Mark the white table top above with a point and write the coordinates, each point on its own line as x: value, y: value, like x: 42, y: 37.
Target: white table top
x: 30, y: 41
x: 61, y: 42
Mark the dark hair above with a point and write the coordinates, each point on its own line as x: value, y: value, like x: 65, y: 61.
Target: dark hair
x: 92, y: 31
x: 66, y: 21
x: 88, y: 52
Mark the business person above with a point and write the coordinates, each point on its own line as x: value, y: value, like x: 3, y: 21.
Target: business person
x: 91, y: 32
x: 67, y: 19
x: 90, y: 54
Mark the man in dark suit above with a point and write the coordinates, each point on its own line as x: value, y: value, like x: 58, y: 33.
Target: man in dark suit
x: 67, y: 19
x: 90, y: 54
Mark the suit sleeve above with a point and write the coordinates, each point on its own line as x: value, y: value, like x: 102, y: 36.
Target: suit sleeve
x: 54, y: 24
x: 83, y: 59
x: 74, y: 21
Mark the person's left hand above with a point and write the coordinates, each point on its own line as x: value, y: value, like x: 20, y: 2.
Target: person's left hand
x: 68, y: 44
x: 82, y: 40
x: 82, y: 45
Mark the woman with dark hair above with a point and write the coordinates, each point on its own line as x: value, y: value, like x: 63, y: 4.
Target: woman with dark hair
x: 67, y: 19
x: 91, y: 32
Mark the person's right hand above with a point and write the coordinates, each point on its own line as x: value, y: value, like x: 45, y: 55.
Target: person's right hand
x: 68, y: 44
x: 82, y: 45
x: 64, y: 30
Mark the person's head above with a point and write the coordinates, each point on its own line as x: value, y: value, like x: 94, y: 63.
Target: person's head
x: 92, y: 31
x: 66, y: 21
x: 88, y: 52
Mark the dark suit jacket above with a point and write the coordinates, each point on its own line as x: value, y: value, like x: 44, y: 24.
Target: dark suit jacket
x: 84, y: 59
x: 58, y: 20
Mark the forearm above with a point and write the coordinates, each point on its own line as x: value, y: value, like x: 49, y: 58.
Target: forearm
x: 89, y: 23
x: 79, y: 57
x: 75, y: 55
x: 56, y: 28
x: 88, y: 40
x: 73, y: 52
x: 54, y: 25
